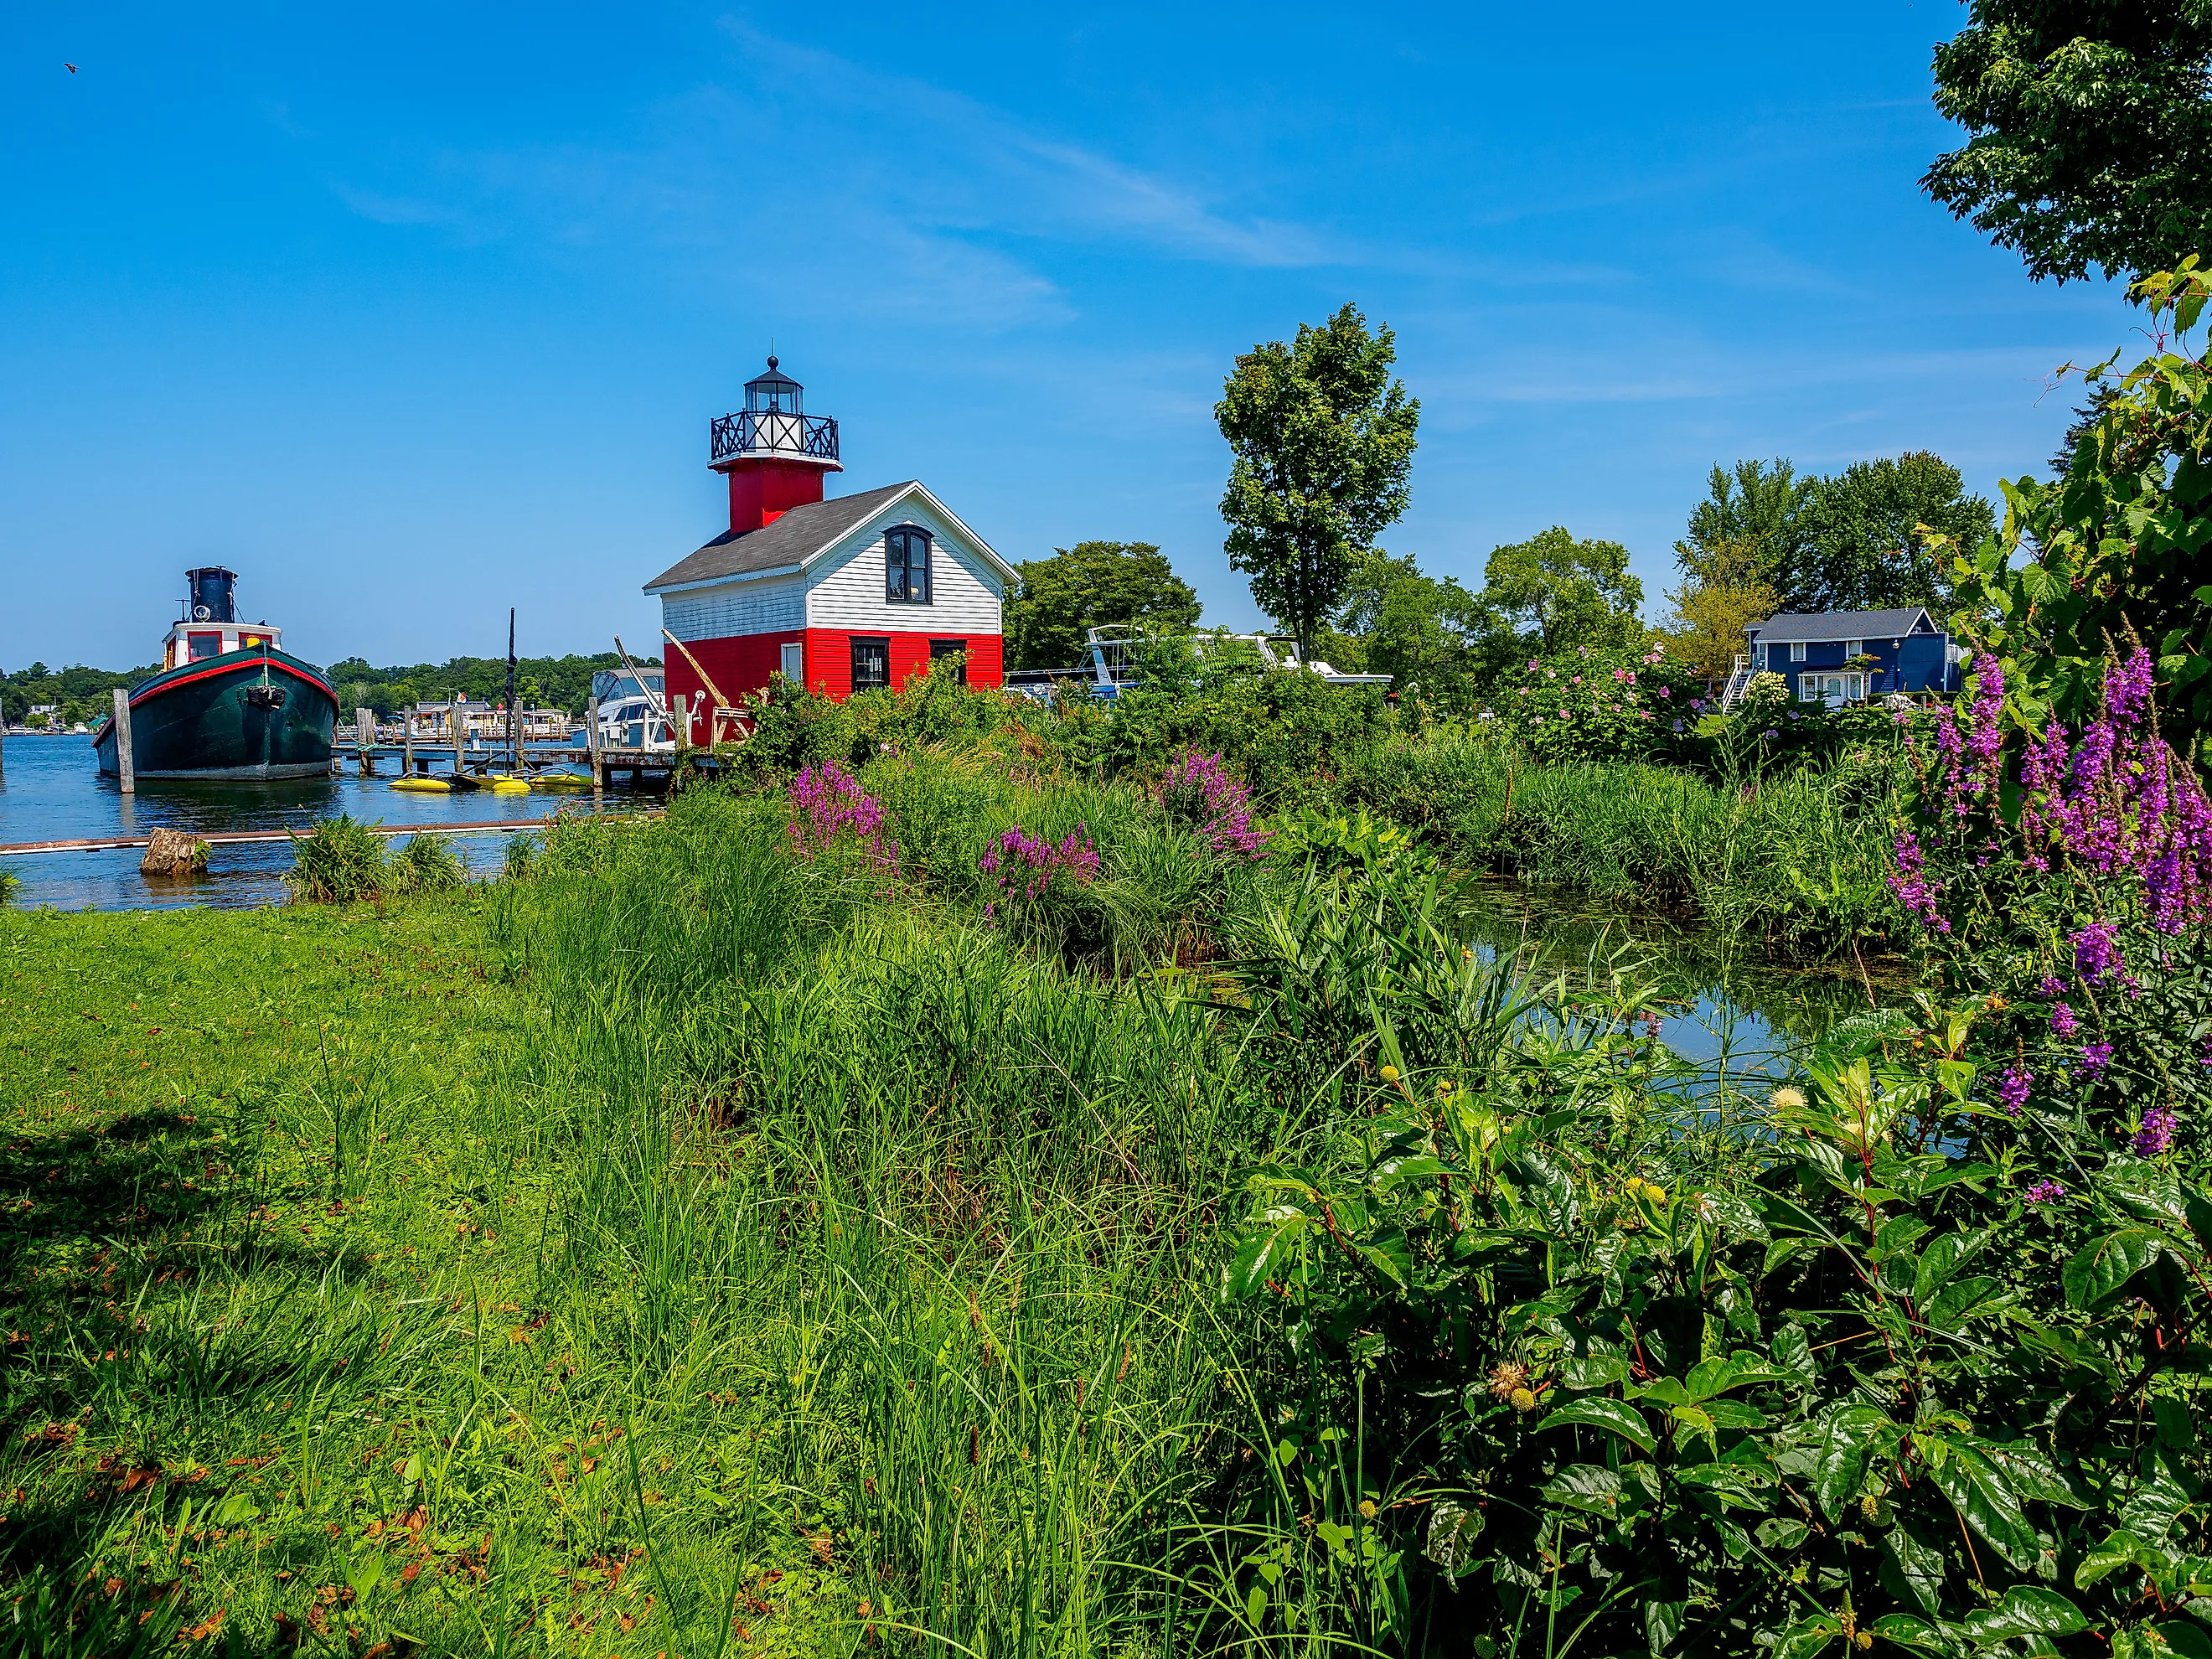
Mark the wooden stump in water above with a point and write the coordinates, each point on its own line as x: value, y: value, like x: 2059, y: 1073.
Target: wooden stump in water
x: 173, y: 853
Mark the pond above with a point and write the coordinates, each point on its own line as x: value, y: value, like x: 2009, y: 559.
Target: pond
x: 1730, y: 1008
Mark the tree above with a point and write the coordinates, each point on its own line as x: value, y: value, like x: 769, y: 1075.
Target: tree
x: 1418, y: 630
x: 1089, y: 585
x: 1558, y: 592
x: 1751, y: 512
x: 2089, y: 132
x: 1728, y: 592
x: 1323, y: 438
x: 1865, y: 535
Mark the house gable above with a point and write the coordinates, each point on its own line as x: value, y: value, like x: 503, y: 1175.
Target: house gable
x: 969, y: 580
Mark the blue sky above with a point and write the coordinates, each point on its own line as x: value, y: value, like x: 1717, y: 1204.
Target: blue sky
x: 412, y: 312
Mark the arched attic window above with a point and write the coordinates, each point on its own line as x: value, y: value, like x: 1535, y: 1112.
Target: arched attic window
x: 906, y: 564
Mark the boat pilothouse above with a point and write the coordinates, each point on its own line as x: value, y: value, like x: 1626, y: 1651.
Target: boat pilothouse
x: 632, y: 708
x: 228, y: 703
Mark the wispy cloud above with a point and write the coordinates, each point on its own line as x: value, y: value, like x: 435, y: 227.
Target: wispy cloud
x: 805, y: 181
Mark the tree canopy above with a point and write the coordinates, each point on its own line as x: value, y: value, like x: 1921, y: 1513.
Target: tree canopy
x: 1413, y: 627
x: 1749, y: 520
x: 1724, y: 592
x: 1864, y: 535
x: 1554, y: 591
x: 2089, y: 133
x: 1090, y: 585
x: 1323, y: 440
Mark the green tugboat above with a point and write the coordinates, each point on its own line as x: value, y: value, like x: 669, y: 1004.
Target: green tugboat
x: 228, y: 703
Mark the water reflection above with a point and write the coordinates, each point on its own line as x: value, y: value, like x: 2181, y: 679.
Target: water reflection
x: 1728, y: 1006
x: 50, y: 790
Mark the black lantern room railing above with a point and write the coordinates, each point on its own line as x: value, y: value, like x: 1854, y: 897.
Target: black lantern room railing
x: 764, y: 432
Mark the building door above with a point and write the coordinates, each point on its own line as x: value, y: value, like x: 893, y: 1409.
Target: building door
x: 950, y: 649
x: 794, y: 661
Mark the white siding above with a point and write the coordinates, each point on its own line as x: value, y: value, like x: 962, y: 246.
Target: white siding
x: 765, y: 605
x: 845, y: 588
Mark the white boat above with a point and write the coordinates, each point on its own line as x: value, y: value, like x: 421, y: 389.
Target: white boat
x: 633, y: 709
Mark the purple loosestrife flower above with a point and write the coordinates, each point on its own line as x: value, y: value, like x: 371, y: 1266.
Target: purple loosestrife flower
x: 1913, y: 889
x: 2045, y: 1191
x: 2096, y: 1057
x: 2155, y: 1135
x: 2063, y: 1025
x: 2050, y: 988
x: 1024, y: 868
x: 2013, y: 1088
x: 827, y: 802
x: 2097, y: 952
x: 1199, y: 791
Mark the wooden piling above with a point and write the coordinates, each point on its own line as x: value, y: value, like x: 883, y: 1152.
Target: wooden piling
x: 364, y: 737
x: 126, y: 776
x: 591, y: 744
x: 681, y: 708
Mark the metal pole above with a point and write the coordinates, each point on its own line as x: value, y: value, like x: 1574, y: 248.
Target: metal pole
x: 126, y: 775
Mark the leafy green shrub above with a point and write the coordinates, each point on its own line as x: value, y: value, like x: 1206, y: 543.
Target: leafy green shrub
x: 1714, y: 1376
x: 337, y: 861
x: 1597, y: 705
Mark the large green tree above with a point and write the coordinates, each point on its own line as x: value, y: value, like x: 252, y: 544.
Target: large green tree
x: 1088, y: 585
x: 1864, y: 535
x: 2089, y: 132
x: 1323, y: 438
x: 1420, y: 631
x: 1554, y: 592
x: 1748, y: 521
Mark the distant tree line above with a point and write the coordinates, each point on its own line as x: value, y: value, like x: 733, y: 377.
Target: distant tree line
x: 81, y: 693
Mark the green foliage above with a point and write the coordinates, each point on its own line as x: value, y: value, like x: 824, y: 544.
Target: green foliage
x: 1420, y: 631
x: 1865, y: 535
x: 1590, y: 703
x: 1749, y: 518
x: 428, y: 864
x: 337, y: 861
x: 1092, y: 585
x: 1714, y: 1372
x: 2117, y: 545
x: 1555, y: 593
x: 81, y: 693
x: 1323, y: 439
x: 552, y: 682
x: 2089, y: 134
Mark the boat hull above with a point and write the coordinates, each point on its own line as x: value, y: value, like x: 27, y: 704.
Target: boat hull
x: 198, y: 721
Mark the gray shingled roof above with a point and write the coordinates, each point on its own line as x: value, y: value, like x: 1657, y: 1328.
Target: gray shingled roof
x: 1839, y: 625
x: 780, y: 546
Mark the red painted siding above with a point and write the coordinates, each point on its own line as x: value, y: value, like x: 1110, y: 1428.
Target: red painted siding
x: 742, y: 663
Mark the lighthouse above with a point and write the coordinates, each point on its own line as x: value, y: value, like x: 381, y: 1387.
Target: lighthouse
x: 837, y: 594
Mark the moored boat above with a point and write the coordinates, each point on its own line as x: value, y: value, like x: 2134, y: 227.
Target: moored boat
x: 229, y: 702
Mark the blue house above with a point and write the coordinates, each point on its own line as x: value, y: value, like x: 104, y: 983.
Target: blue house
x: 1841, y: 656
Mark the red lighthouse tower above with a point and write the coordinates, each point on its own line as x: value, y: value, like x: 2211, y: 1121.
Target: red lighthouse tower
x: 774, y: 453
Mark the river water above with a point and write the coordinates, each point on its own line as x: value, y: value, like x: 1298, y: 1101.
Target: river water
x: 52, y: 790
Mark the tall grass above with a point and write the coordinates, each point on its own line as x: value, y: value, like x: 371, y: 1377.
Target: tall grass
x: 1798, y: 857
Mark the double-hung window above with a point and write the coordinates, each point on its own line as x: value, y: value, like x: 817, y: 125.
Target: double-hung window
x: 938, y: 648
x: 906, y: 565
x: 1796, y: 650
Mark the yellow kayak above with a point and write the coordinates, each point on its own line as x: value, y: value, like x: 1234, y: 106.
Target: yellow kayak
x: 423, y: 785
x: 510, y: 786
x: 560, y: 781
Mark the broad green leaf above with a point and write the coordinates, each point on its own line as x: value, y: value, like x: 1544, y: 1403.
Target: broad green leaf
x: 2026, y: 1610
x: 1708, y: 1377
x: 1257, y: 1258
x: 1848, y: 1436
x: 1977, y: 1490
x: 2031, y: 1475
x: 1957, y: 1301
x: 1913, y: 1570
x: 2102, y: 1267
x: 1609, y: 1414
x: 1907, y: 1631
x: 1806, y: 1637
x: 1733, y: 1414
x: 1591, y: 1371
x: 2108, y: 1557
x: 2156, y: 1505
x: 2186, y: 1637
x: 1663, y: 1623
x: 1793, y: 1355
x: 1941, y: 1262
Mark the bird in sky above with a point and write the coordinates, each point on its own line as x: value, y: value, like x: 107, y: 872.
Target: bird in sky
x: 72, y: 68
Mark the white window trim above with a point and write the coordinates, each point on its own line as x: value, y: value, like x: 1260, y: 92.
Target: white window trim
x: 1796, y: 650
x: 1852, y: 648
